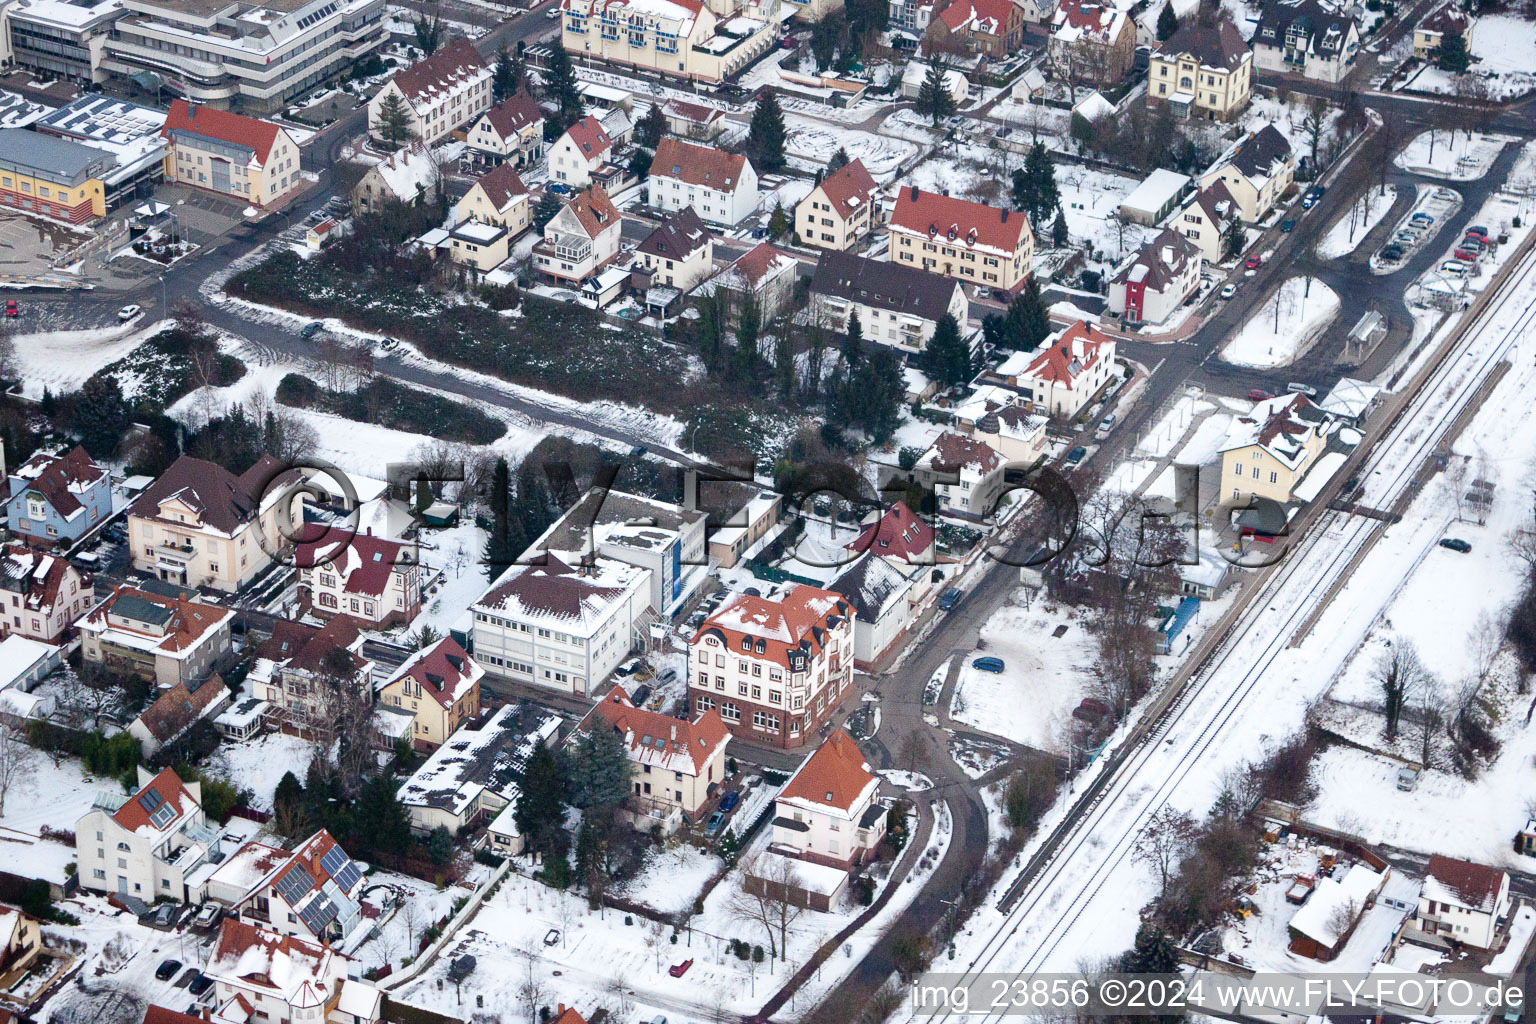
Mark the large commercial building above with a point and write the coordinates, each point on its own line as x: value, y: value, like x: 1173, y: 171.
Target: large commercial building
x: 62, y: 37
x: 51, y: 177
x: 682, y: 38
x: 128, y: 131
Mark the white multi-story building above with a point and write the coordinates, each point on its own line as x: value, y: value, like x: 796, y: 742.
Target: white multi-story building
x: 584, y: 148
x: 147, y: 844
x: 776, y: 664
x: 65, y: 39
x: 41, y: 595
x: 373, y: 580
x: 1464, y: 902
x: 966, y: 474
x: 313, y: 892
x: 252, y: 54
x: 1309, y: 38
x: 721, y: 187
x: 676, y: 257
x: 679, y: 38
x: 840, y: 210
x: 827, y: 812
x: 561, y: 626
x: 1257, y: 170
x: 1065, y: 373
x: 1154, y: 283
x: 896, y: 304
x: 444, y: 92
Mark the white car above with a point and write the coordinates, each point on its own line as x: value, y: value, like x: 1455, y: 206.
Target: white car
x: 129, y: 312
x: 1229, y: 291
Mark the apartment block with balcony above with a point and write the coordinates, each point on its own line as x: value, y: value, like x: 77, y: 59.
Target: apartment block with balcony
x: 446, y: 91
x: 60, y: 37
x: 1202, y: 71
x: 679, y: 38
x: 239, y: 54
x: 841, y: 210
x: 145, y: 845
x: 775, y: 664
x: 158, y: 635
x: 1307, y: 38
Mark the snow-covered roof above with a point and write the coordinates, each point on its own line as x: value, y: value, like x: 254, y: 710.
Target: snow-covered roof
x: 1318, y: 476
x: 409, y: 172
x: 1093, y: 106
x: 872, y: 585
x: 475, y: 760
x: 20, y: 655
x: 1156, y: 191
x: 660, y: 741
x: 1324, y: 918
x: 572, y: 599
x: 1350, y: 398
x: 1280, y: 425
x: 1463, y: 883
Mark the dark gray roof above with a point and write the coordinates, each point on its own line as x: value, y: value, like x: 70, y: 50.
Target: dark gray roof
x: 1257, y: 157
x: 868, y: 584
x: 1216, y: 46
x: 54, y: 159
x: 678, y: 235
x: 884, y: 285
x: 1327, y: 29
x: 130, y: 606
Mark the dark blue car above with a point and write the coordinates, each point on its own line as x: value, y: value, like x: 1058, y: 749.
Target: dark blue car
x: 949, y: 599
x: 988, y: 664
x: 730, y: 800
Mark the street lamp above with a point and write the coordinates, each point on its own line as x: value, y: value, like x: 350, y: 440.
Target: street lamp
x: 164, y: 306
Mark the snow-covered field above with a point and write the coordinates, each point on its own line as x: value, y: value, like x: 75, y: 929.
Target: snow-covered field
x: 1355, y: 223
x: 811, y: 142
x: 1457, y: 156
x: 673, y: 878
x: 1501, y: 46
x: 1031, y: 700
x: 1091, y: 200
x: 63, y: 360
x: 1289, y: 321
x: 259, y: 764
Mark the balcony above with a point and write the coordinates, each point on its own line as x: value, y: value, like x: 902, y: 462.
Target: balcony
x: 568, y: 248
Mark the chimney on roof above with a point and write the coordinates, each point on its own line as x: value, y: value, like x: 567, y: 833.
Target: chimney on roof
x: 915, y: 193
x: 559, y: 1009
x: 674, y: 733
x: 191, y: 111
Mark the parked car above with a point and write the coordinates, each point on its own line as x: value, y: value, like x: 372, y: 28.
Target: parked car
x: 167, y: 970
x: 552, y: 937
x: 638, y: 450
x: 1229, y: 291
x: 1076, y: 455
x: 200, y: 984
x: 1391, y: 253
x: 1407, y: 237
x: 11, y: 309
x: 641, y: 694
x: 1474, y: 243
x: 677, y: 971
x: 988, y: 664
x: 1466, y: 254
x: 1288, y: 225
x: 666, y: 676
x: 1454, y: 268
x: 715, y: 821
x: 1254, y: 262
x: 389, y: 344
x: 129, y: 312
x: 1478, y: 230
x: 1456, y: 544
x: 1422, y: 218
x: 730, y: 800
x: 1447, y: 194
x: 1407, y: 779
x: 1317, y: 192
x: 1258, y: 395
x: 208, y: 916
x: 557, y: 188
x: 950, y: 598
x: 1301, y: 389
x: 190, y: 975
x: 311, y: 329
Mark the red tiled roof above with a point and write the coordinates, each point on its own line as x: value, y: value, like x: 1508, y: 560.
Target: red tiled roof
x: 755, y: 262
x: 850, y: 186
x: 590, y: 137
x: 695, y: 112
x: 502, y: 185
x: 178, y: 707
x: 223, y: 125
x: 132, y: 815
x: 1066, y: 357
x: 835, y: 776
x: 959, y: 220
x: 160, y: 1015
x: 44, y: 574
x: 188, y: 622
x: 1098, y: 19
x: 658, y: 739
x: 513, y: 114
x: 52, y: 476
x: 989, y: 16
x: 366, y: 562
x: 795, y: 619
x: 1475, y: 885
x: 236, y: 937
x: 304, y: 646
x: 594, y: 210
x: 443, y: 70
x: 699, y: 165
x: 897, y: 534
x: 444, y: 671
x: 952, y: 452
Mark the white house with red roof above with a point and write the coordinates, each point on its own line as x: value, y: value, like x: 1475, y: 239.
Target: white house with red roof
x: 677, y: 764
x: 250, y: 159
x: 147, y: 844
x: 766, y: 273
x: 828, y: 811
x: 439, y: 688
x: 373, y: 580
x: 775, y: 661
x: 721, y: 187
x: 1464, y: 902
x: 583, y: 149
x: 441, y: 93
x: 693, y: 120
x: 970, y: 242
x: 1066, y: 373
x: 312, y: 892
x: 1154, y: 283
x: 840, y: 210
x: 897, y: 571
x: 41, y: 595
x: 511, y: 132
x: 264, y: 977
x: 966, y: 475
x: 581, y: 239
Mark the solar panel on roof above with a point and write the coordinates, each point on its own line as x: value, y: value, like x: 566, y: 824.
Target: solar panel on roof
x: 334, y: 860
x: 319, y: 913
x: 294, y: 884
x: 348, y: 876
x: 150, y: 799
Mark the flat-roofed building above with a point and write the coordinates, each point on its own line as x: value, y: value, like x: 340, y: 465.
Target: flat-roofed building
x: 52, y: 178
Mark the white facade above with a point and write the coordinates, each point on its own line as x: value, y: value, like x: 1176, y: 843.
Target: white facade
x: 145, y: 845
x: 448, y: 90
x: 721, y: 189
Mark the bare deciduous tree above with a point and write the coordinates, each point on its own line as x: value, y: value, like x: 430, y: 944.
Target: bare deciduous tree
x: 530, y: 989
x: 1400, y: 673
x: 1163, y: 843
x: 15, y: 763
x: 767, y: 897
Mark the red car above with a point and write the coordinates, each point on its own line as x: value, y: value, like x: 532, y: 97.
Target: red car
x: 1259, y: 395
x: 1466, y: 254
x: 11, y: 308
x: 1254, y: 262
x: 678, y: 970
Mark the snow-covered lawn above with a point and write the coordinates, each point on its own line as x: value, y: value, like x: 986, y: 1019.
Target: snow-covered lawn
x: 45, y: 794
x: 1091, y: 200
x: 1355, y: 223
x: 63, y: 360
x: 811, y: 142
x: 402, y: 929
x: 453, y: 559
x: 1289, y: 321
x: 259, y: 764
x: 1031, y: 700
x: 1457, y: 156
x: 1164, y: 435
x: 672, y: 878
x: 1501, y: 45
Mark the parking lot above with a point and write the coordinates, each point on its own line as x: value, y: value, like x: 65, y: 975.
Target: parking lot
x: 1418, y: 228
x: 27, y: 244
